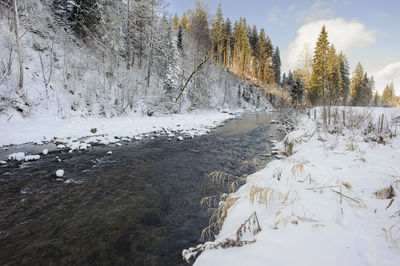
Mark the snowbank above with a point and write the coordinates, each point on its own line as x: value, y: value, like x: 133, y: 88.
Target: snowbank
x: 38, y: 130
x: 319, y: 206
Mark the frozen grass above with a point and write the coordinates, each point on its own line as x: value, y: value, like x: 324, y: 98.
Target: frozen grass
x: 334, y: 201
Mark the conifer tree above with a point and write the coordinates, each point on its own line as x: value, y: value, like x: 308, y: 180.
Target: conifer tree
x: 377, y: 99
x: 388, y: 96
x: 357, y: 81
x: 276, y: 65
x: 319, y: 75
x: 345, y: 77
x: 217, y: 36
x: 227, y: 33
x: 334, y: 77
x: 176, y: 21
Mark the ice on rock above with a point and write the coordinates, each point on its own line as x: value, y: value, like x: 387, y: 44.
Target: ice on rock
x: 109, y: 152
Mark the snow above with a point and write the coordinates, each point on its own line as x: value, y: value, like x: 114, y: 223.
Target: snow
x: 31, y: 158
x: 18, y: 156
x: 304, y: 219
x: 109, y: 152
x: 60, y: 173
x: 45, y: 151
x: 19, y: 131
x: 180, y: 138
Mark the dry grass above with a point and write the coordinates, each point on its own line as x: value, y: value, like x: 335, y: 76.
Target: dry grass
x: 231, y: 181
x: 218, y: 217
x: 297, y: 169
x: 263, y: 195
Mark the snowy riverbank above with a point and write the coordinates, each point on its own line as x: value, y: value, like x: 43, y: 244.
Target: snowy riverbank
x: 322, y: 204
x: 19, y: 131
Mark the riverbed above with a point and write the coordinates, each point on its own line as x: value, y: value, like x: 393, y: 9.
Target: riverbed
x: 136, y: 206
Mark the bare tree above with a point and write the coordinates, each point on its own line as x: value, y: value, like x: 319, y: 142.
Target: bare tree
x: 16, y: 30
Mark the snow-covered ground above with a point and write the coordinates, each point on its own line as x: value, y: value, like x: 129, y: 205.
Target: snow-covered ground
x: 319, y: 206
x: 19, y: 131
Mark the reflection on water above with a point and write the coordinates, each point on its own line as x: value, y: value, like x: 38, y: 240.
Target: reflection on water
x: 139, y: 206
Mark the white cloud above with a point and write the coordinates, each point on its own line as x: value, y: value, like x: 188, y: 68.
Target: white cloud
x: 388, y: 74
x: 318, y: 10
x: 347, y: 36
x: 273, y: 15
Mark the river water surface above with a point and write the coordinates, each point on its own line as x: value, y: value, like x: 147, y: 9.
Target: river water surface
x: 138, y: 206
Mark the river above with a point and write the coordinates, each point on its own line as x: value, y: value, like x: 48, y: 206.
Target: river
x: 138, y: 206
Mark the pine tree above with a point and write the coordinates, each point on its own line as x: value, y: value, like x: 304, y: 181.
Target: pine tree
x: 276, y: 65
x: 319, y: 75
x: 345, y: 77
x: 217, y: 36
x: 296, y: 92
x: 334, y: 79
x: 176, y: 21
x: 85, y: 16
x: 377, y: 99
x: 357, y: 81
x: 227, y: 33
x: 388, y: 96
x: 179, y: 39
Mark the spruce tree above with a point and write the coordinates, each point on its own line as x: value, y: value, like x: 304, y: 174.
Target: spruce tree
x: 334, y: 81
x: 345, y: 77
x: 276, y: 65
x: 388, y: 96
x: 357, y: 82
x: 319, y: 76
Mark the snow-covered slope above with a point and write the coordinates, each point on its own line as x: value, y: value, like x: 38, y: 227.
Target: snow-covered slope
x: 66, y: 77
x: 322, y: 204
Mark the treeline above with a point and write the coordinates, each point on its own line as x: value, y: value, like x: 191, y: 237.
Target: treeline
x: 112, y: 56
x: 243, y: 49
x: 324, y: 79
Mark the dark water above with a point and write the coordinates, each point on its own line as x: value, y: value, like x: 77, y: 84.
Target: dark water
x: 138, y: 206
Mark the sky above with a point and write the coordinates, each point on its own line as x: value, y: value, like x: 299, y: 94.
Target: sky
x: 366, y: 31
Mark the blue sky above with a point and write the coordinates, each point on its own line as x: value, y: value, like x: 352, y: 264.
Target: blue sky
x: 367, y: 31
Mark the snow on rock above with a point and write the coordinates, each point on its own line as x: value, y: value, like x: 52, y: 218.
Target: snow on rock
x: 61, y: 146
x: 45, y: 151
x: 31, y: 158
x: 45, y: 128
x: 18, y: 156
x: 118, y: 144
x: 60, y: 173
x: 319, y: 206
x: 180, y: 138
x: 138, y: 138
x: 3, y: 162
x: 109, y: 152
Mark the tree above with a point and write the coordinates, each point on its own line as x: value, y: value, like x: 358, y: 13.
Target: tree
x: 85, y: 17
x: 296, y: 92
x: 227, y: 33
x: 217, y: 36
x: 377, y: 99
x: 361, y: 87
x: 319, y: 75
x: 388, y: 96
x: 334, y: 79
x: 345, y: 78
x: 17, y: 44
x: 276, y: 65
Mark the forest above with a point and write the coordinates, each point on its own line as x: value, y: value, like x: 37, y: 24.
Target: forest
x: 112, y: 57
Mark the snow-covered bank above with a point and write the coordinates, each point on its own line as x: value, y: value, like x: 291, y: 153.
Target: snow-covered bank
x: 43, y: 130
x: 323, y: 205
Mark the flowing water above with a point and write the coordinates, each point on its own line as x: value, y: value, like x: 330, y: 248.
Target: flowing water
x: 138, y: 206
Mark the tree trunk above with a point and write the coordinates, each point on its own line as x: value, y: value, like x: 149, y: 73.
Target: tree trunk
x: 16, y: 30
x: 128, y: 39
